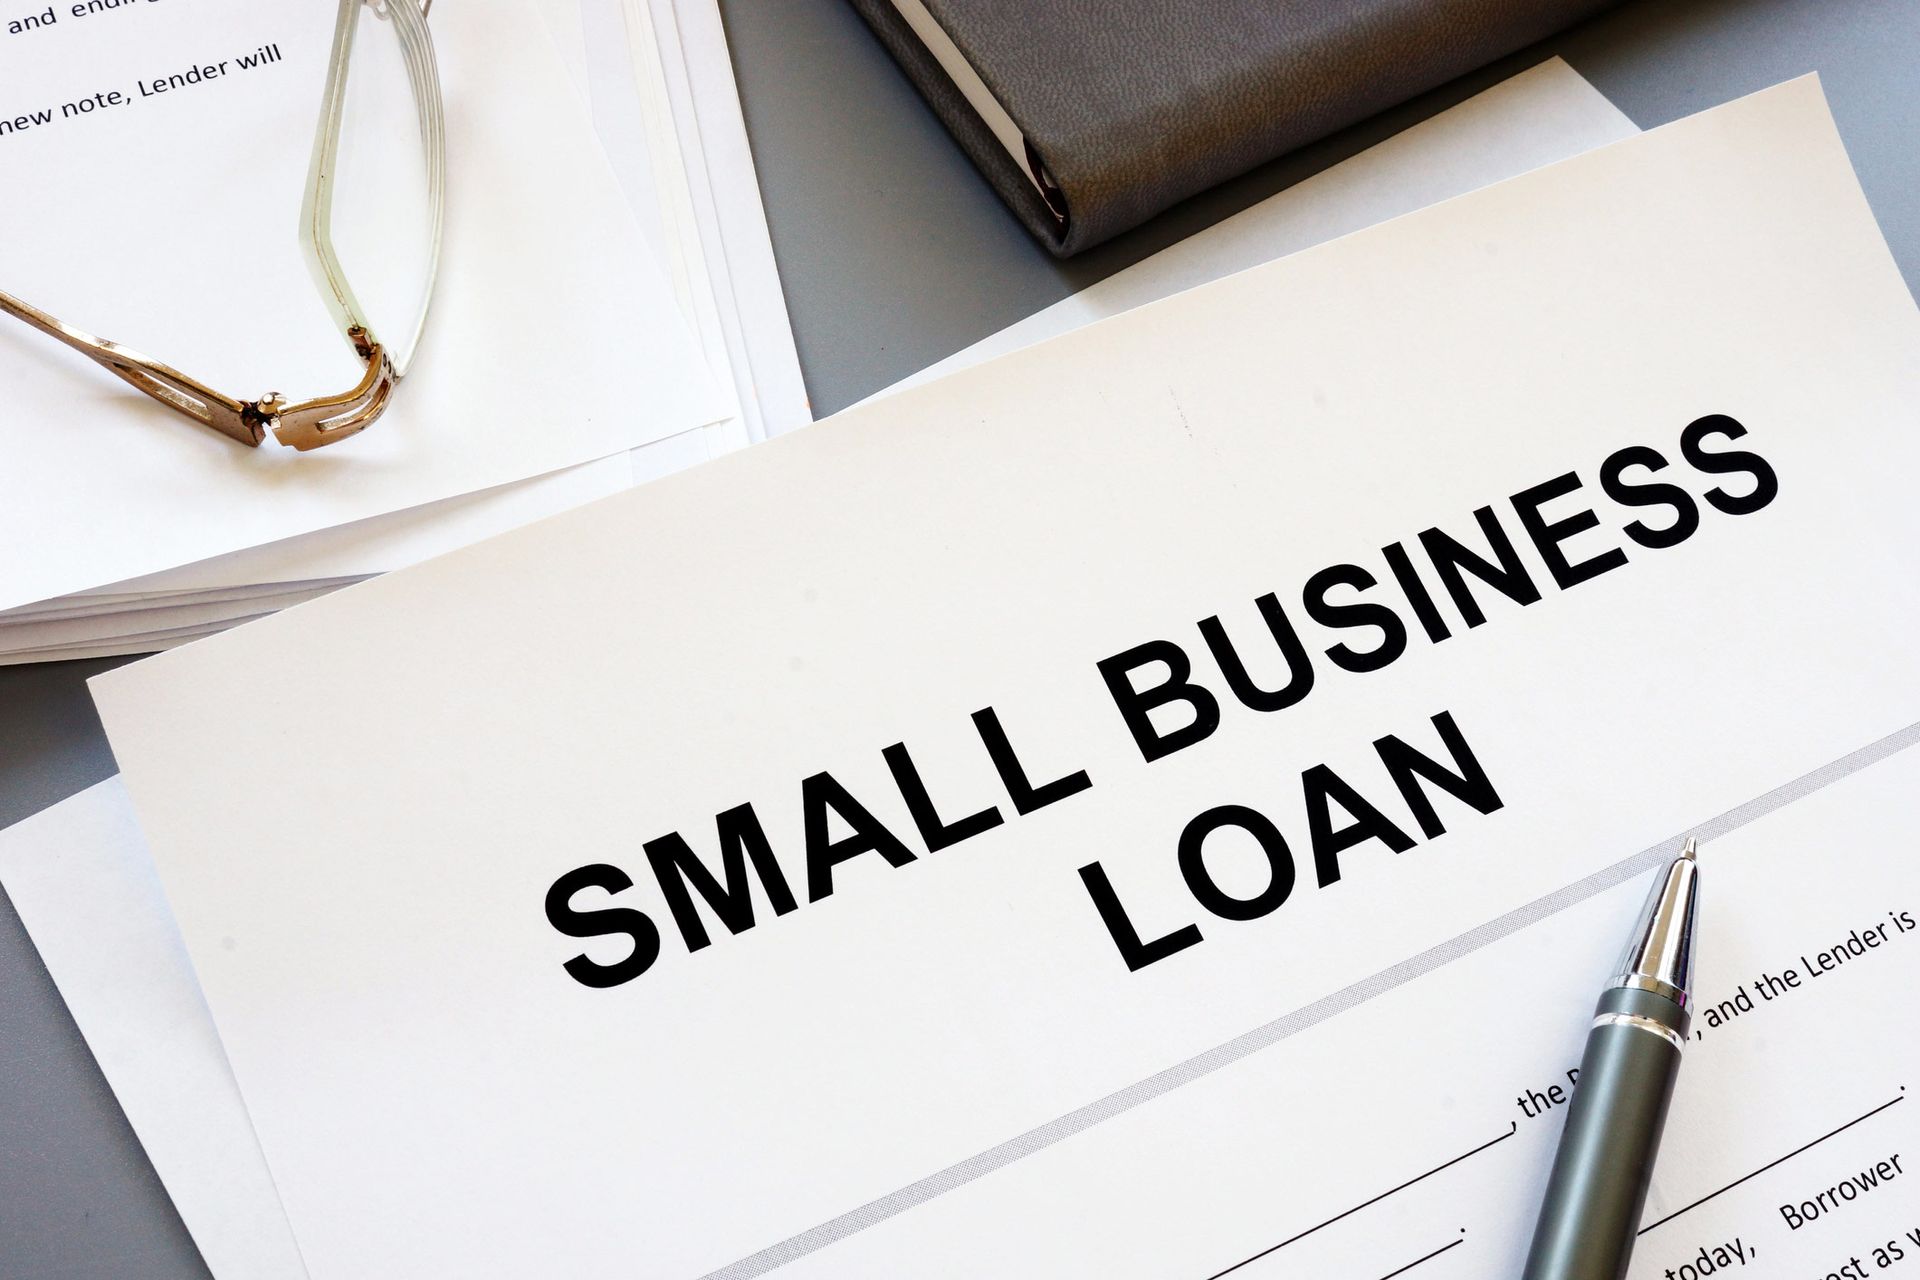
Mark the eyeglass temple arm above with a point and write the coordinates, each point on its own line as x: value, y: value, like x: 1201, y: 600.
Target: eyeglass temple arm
x: 306, y: 425
x: 167, y: 385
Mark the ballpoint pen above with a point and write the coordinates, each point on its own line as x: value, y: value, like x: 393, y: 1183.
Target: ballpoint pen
x: 1598, y: 1186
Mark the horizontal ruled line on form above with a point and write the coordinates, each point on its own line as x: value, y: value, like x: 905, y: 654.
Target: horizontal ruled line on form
x: 1512, y: 1128
x: 1426, y: 1257
x: 1782, y: 1160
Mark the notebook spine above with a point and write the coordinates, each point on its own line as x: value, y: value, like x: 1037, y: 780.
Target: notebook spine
x: 964, y: 123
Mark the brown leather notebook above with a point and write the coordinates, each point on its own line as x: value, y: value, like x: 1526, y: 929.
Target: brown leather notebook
x: 1091, y: 116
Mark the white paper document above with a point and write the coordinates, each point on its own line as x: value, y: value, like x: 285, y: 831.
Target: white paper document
x: 165, y: 215
x: 117, y: 956
x: 729, y: 294
x: 1071, y: 719
x: 80, y: 878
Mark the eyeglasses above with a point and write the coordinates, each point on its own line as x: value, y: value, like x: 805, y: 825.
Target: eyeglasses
x: 378, y: 203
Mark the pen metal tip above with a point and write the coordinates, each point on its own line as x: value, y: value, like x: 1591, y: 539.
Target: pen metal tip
x: 1659, y: 956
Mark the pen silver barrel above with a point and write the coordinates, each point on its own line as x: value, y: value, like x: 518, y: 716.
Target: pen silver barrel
x: 1598, y: 1186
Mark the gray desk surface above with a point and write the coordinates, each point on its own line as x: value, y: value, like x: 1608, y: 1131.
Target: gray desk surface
x: 893, y: 254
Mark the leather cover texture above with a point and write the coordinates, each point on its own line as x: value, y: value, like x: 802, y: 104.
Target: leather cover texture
x: 1134, y: 105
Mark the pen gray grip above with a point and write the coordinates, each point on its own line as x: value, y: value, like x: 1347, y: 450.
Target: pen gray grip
x: 1605, y: 1160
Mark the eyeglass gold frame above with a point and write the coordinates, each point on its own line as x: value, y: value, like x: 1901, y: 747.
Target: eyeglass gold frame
x: 323, y: 420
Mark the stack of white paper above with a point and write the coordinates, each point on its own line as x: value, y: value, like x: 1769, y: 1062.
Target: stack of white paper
x: 661, y: 333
